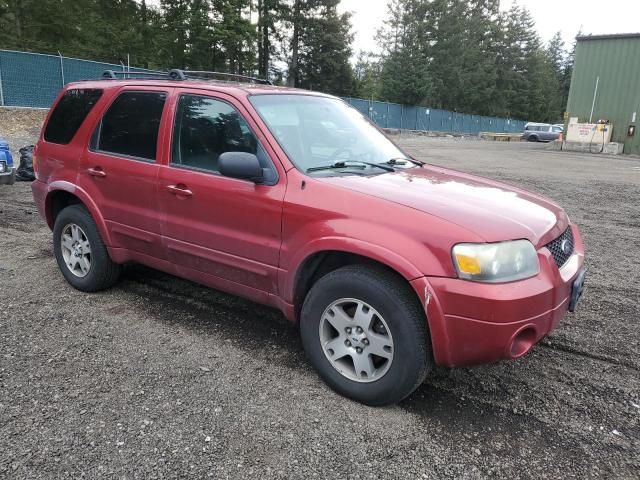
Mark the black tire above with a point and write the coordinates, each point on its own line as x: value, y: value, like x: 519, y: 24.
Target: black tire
x: 393, y: 298
x: 103, y: 272
x: 532, y: 138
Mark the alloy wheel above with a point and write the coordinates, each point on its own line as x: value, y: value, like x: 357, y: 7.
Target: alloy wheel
x: 356, y: 340
x: 76, y: 250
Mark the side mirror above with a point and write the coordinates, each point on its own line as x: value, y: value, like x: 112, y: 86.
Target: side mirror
x: 241, y: 165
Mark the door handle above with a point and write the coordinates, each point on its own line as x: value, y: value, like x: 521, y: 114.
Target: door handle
x: 97, y: 172
x: 179, y: 190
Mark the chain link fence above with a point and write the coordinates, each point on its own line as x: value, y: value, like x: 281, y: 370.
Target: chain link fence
x: 393, y: 115
x: 34, y: 80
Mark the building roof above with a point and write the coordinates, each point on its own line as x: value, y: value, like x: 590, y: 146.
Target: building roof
x: 613, y: 36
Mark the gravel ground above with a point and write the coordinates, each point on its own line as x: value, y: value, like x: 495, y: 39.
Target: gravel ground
x: 162, y: 378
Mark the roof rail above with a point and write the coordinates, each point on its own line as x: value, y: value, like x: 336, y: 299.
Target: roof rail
x: 113, y: 74
x: 195, y: 74
x: 177, y: 74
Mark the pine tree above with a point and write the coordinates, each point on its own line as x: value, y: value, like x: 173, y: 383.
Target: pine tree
x: 556, y: 53
x: 367, y: 73
x: 404, y: 75
x: 270, y: 33
x: 556, y: 61
x: 175, y: 15
x: 462, y: 68
x: 519, y: 79
x: 320, y: 47
x: 200, y: 36
x: 567, y: 70
x: 235, y: 37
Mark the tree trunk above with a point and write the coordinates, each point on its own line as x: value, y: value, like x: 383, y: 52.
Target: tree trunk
x: 145, y: 32
x: 266, y: 61
x: 261, y: 21
x: 266, y: 46
x: 292, y: 80
x: 17, y: 12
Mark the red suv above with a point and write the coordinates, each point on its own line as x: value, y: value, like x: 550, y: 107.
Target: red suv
x: 295, y: 200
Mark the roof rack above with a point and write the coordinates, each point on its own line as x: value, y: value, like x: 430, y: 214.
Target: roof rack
x: 176, y: 74
x: 115, y: 74
x: 232, y: 76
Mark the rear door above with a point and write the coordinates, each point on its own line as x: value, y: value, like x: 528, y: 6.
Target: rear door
x: 546, y: 133
x: 120, y: 169
x: 222, y: 231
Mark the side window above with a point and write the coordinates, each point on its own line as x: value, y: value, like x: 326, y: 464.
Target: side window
x: 205, y: 129
x: 130, y: 126
x: 70, y: 112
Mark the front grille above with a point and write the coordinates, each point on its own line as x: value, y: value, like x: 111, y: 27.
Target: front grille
x: 561, y: 255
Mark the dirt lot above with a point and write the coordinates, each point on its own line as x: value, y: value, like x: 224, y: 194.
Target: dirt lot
x: 161, y: 378
x: 21, y: 127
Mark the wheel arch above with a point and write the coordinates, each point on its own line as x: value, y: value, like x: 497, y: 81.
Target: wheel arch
x: 63, y: 194
x: 319, y: 263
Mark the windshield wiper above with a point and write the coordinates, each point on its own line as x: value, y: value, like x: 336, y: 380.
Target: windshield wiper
x: 403, y: 161
x: 349, y: 163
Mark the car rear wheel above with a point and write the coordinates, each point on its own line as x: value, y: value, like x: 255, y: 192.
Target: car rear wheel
x: 365, y: 332
x: 80, y: 252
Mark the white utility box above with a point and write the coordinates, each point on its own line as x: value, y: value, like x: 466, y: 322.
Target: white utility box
x: 589, y: 133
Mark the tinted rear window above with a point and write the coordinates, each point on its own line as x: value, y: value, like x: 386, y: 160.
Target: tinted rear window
x: 70, y: 112
x: 130, y: 126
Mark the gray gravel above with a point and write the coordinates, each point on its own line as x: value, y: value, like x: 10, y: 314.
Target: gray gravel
x: 162, y: 378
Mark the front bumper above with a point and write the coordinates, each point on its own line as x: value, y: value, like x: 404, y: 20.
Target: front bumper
x: 7, y: 173
x: 473, y: 323
x: 7, y: 177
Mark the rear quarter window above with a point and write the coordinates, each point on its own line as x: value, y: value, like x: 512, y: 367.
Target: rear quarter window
x: 69, y: 113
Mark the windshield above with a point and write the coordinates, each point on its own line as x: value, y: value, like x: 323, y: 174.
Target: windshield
x: 320, y: 132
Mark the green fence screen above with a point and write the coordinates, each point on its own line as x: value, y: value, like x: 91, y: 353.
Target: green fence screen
x: 34, y: 80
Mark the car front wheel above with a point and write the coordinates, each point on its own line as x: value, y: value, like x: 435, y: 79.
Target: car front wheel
x: 365, y: 333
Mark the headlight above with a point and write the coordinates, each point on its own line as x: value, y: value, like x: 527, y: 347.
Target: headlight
x: 496, y: 262
x: 3, y: 167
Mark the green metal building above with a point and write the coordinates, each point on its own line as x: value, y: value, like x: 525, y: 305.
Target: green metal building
x: 606, y: 85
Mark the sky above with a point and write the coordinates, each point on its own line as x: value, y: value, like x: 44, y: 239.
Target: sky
x: 551, y: 16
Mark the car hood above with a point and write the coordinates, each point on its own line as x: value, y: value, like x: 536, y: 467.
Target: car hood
x: 492, y: 210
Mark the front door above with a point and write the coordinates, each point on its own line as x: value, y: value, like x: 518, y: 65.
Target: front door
x: 226, y: 230
x: 120, y: 169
